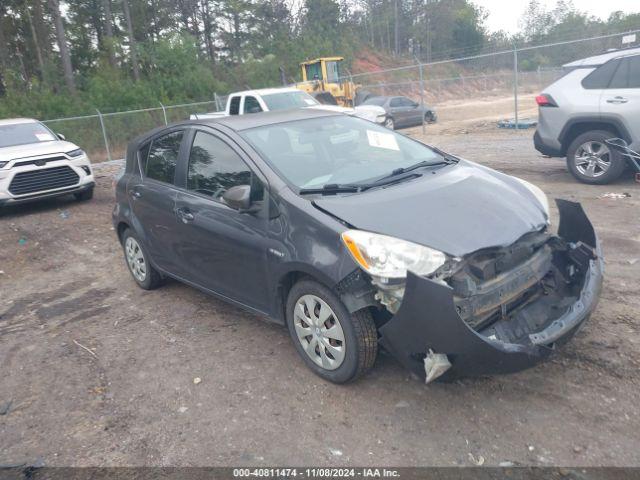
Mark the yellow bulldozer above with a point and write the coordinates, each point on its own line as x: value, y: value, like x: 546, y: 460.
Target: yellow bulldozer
x: 323, y: 79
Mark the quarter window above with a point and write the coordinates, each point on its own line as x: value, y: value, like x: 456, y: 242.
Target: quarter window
x: 634, y: 72
x: 214, y: 167
x: 163, y: 155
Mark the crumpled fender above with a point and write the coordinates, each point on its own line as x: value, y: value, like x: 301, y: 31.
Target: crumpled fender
x: 427, y: 318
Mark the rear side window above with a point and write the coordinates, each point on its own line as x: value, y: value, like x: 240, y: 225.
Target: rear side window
x: 163, y: 155
x: 234, y: 106
x: 634, y: 72
x: 621, y: 77
x: 601, y: 76
x: 214, y: 167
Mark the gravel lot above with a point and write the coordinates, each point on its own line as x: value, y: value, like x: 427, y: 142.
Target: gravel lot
x: 131, y: 399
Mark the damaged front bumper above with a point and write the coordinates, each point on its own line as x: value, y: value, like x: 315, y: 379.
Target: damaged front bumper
x: 427, y: 329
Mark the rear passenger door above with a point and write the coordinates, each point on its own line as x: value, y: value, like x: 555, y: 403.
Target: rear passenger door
x: 622, y: 97
x: 220, y: 248
x: 152, y: 197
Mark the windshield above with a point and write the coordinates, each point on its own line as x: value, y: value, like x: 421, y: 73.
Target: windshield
x: 24, y: 133
x: 336, y: 150
x: 287, y: 100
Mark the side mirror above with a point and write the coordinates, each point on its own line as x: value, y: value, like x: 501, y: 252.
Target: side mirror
x: 617, y: 144
x: 238, y: 197
x: 61, y: 136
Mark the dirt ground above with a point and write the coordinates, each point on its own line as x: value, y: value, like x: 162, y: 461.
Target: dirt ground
x: 101, y: 373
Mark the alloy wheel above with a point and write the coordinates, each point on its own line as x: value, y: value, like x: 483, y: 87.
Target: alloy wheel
x: 135, y: 259
x: 319, y: 332
x: 592, y: 159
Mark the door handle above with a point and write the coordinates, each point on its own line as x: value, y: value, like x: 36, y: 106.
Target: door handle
x: 185, y: 215
x: 135, y: 193
x: 617, y: 100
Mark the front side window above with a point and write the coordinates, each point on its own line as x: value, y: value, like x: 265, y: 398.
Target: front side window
x: 251, y: 105
x: 24, y: 134
x: 621, y: 76
x: 338, y: 149
x: 333, y: 74
x: 601, y: 76
x: 163, y: 156
x: 407, y: 102
x: 395, y: 102
x: 379, y: 101
x: 214, y: 167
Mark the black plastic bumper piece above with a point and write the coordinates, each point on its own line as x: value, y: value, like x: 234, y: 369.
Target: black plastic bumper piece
x: 545, y: 149
x: 43, y: 196
x: 427, y: 319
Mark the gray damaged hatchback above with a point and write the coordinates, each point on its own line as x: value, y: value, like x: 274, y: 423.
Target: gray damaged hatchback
x: 356, y: 237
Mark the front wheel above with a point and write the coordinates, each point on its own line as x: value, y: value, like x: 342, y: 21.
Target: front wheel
x: 336, y: 345
x: 591, y: 160
x: 389, y: 123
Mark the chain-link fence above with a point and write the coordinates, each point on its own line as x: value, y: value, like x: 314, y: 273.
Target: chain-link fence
x: 477, y: 88
x: 488, y: 85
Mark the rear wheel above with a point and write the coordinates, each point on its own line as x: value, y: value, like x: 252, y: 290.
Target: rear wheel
x: 430, y: 117
x: 591, y: 160
x: 137, y: 260
x: 336, y: 345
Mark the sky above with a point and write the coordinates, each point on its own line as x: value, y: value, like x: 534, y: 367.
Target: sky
x: 505, y: 14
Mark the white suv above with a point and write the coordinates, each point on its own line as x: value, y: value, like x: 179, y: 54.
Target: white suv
x: 37, y: 163
x: 599, y: 98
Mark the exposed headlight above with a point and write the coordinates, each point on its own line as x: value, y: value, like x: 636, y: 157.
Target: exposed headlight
x: 381, y: 118
x: 389, y: 257
x: 2, y: 164
x: 539, y: 194
x: 76, y: 153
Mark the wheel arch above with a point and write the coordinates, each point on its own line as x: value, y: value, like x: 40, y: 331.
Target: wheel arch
x: 580, y: 125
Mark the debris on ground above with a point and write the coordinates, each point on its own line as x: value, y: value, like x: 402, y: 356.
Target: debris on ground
x: 6, y: 407
x: 22, y: 241
x: 531, y: 448
x: 477, y: 461
x: 631, y: 261
x: 506, y: 464
x: 615, y: 196
x: 64, y: 214
x: 522, y: 123
x: 183, y: 409
x: 335, y: 452
x: 402, y: 404
x: 197, y: 380
x: 86, y: 348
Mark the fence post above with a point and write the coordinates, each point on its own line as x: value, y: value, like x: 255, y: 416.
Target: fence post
x: 164, y: 112
x: 216, y: 100
x: 104, y: 134
x: 515, y: 83
x: 421, y: 94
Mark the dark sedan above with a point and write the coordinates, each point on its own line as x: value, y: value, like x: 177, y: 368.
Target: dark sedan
x: 355, y: 237
x: 403, y: 112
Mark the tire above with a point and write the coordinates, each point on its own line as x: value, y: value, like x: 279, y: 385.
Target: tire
x: 430, y: 117
x: 84, y: 196
x: 360, y: 339
x: 390, y: 123
x: 151, y: 278
x: 593, y: 169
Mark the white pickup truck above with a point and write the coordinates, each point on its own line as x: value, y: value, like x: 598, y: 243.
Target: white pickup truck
x: 270, y: 99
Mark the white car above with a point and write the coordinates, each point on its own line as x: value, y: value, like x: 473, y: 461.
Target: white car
x: 285, y: 98
x: 36, y: 163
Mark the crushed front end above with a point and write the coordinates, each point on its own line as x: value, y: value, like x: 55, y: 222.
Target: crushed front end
x: 498, y: 310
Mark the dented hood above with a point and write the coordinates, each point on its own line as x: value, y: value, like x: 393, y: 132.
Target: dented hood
x: 456, y: 209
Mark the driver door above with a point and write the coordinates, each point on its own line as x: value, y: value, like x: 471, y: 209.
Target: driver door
x: 219, y: 248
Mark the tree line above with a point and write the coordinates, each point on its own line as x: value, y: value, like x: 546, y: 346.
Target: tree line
x: 64, y: 57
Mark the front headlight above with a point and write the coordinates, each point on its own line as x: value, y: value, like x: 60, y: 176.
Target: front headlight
x: 389, y: 257
x: 76, y: 153
x: 539, y: 194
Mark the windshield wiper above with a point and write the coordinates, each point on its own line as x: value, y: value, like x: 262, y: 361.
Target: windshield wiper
x: 335, y: 188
